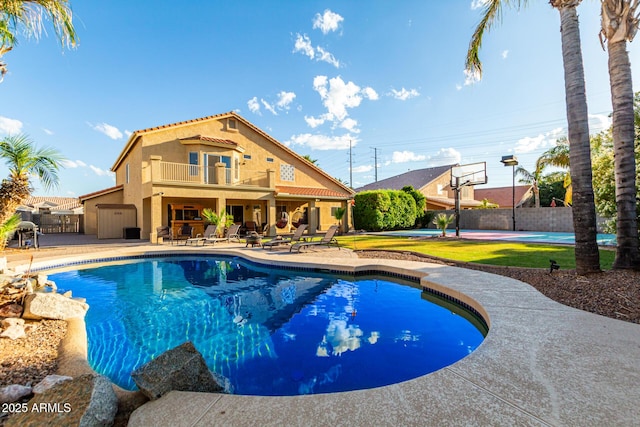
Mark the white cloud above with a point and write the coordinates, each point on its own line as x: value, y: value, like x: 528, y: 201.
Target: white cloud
x: 370, y: 93
x: 471, y: 77
x: 322, y: 142
x: 404, y: 94
x: 337, y: 96
x: 10, y: 126
x: 254, y: 105
x: 350, y: 125
x: 544, y: 140
x: 363, y: 168
x: 477, y: 4
x: 285, y: 99
x: 100, y: 172
x: 303, y: 44
x: 599, y: 122
x: 325, y: 56
x: 128, y: 133
x: 327, y: 22
x: 406, y: 156
x: 47, y: 131
x: 314, y: 122
x: 268, y: 107
x: 445, y: 156
x: 505, y: 53
x: 111, y: 131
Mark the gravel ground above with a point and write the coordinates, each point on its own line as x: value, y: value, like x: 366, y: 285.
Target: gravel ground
x: 613, y: 294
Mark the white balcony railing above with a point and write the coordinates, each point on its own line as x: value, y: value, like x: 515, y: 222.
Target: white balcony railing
x: 182, y: 172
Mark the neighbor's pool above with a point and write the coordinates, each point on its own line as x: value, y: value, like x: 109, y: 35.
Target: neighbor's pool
x: 269, y: 331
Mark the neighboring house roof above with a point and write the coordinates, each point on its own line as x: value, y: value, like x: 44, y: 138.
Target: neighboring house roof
x: 138, y: 133
x: 282, y: 190
x: 101, y: 193
x: 449, y: 203
x: 416, y: 178
x: 53, y: 203
x: 503, y: 196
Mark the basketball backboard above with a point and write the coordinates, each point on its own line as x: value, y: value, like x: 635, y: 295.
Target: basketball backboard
x: 471, y: 174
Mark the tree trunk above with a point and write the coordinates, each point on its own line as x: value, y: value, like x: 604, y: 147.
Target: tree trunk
x: 584, y: 211
x: 627, y: 255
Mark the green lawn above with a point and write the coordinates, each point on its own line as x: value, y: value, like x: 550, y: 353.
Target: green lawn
x: 481, y: 252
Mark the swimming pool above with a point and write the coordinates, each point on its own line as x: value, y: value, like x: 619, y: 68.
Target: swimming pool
x: 268, y: 331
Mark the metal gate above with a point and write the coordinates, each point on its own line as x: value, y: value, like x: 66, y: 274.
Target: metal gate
x: 57, y: 223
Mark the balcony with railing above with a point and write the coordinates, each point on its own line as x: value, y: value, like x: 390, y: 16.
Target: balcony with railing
x: 213, y: 175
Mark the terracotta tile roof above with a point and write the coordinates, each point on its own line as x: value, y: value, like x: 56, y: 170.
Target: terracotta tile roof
x: 313, y: 192
x: 416, y: 178
x: 502, y: 196
x: 210, y: 139
x: 181, y: 123
x: 100, y: 192
x: 57, y: 203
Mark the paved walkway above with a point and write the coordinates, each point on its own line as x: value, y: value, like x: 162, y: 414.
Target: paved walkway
x: 541, y: 364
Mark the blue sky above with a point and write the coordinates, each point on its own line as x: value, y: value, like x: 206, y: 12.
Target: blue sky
x: 316, y: 75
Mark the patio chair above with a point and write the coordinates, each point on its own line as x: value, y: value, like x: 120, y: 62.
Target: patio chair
x: 232, y: 233
x: 164, y: 232
x: 249, y: 226
x: 328, y: 240
x: 209, y: 232
x: 297, y: 235
x: 183, y: 234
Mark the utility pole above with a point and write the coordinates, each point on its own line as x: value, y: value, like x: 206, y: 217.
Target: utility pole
x: 375, y: 163
x: 350, y: 166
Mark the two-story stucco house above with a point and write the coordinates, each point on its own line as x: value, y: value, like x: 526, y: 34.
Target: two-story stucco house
x: 166, y: 176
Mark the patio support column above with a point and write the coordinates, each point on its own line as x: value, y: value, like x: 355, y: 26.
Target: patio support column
x: 312, y: 217
x: 156, y: 216
x: 271, y: 178
x: 156, y: 171
x: 221, y: 178
x: 271, y: 216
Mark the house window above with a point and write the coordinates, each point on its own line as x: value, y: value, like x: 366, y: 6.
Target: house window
x: 269, y: 159
x: 287, y: 173
x: 232, y: 124
x: 247, y: 156
x: 126, y: 173
x: 193, y: 163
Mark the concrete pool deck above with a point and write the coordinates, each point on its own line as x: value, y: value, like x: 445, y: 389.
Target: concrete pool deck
x: 542, y: 363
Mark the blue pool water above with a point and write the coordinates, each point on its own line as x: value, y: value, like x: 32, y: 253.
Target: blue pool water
x: 268, y: 331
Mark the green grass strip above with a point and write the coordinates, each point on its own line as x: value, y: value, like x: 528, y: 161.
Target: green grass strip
x: 512, y: 254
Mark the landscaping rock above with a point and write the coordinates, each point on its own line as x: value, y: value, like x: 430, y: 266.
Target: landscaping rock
x: 48, y: 382
x: 182, y: 368
x: 12, y: 321
x: 13, y: 392
x: 88, y: 400
x: 13, y: 332
x: 41, y: 305
x: 11, y: 310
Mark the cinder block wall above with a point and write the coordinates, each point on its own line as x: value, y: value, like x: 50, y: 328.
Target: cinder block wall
x: 558, y: 219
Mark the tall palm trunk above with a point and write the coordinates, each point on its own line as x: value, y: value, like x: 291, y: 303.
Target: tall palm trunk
x: 618, y: 26
x: 584, y: 211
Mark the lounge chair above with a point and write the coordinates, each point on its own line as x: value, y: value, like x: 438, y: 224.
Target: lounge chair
x: 328, y: 240
x: 183, y: 234
x: 164, y: 232
x: 232, y: 233
x: 297, y: 235
x: 209, y: 232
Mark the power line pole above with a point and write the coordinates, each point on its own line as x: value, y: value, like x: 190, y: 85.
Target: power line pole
x: 375, y: 163
x: 350, y: 166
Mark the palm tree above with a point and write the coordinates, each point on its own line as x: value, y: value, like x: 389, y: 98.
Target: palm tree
x: 29, y: 15
x: 558, y: 156
x: 619, y: 24
x: 584, y: 213
x: 24, y: 160
x: 532, y: 178
x: 442, y: 221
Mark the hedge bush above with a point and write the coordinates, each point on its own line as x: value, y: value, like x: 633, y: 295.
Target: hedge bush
x: 380, y: 210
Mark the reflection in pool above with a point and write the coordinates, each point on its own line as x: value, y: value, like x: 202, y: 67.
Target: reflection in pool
x: 269, y: 331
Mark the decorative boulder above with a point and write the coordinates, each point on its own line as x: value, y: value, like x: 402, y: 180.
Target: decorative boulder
x: 48, y: 382
x: 11, y: 310
x: 182, y: 368
x: 13, y: 392
x: 87, y: 400
x: 41, y: 305
x: 13, y: 332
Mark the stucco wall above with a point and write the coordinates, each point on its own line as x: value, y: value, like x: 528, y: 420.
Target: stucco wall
x: 91, y: 212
